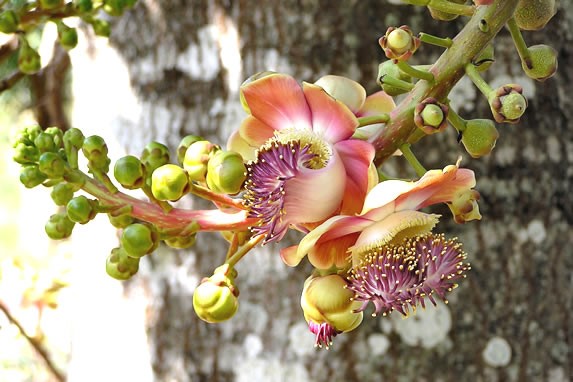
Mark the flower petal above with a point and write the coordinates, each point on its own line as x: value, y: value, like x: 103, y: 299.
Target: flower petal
x: 330, y: 118
x: 382, y: 197
x: 288, y: 255
x: 357, y: 156
x: 332, y: 252
x: 255, y: 132
x: 277, y: 100
x: 347, y: 91
x: 238, y: 144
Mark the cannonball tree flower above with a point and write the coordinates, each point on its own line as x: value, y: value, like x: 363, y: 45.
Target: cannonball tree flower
x: 304, y: 166
x: 389, y: 215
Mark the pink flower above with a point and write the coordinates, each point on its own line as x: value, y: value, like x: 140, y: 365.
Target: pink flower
x: 389, y: 215
x: 304, y: 165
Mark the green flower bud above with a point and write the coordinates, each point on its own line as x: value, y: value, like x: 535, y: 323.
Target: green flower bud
x: 59, y: 226
x: 67, y: 36
x: 24, y: 154
x: 31, y: 176
x: 181, y: 242
x: 81, y: 210
x: 52, y: 164
x: 507, y: 103
x: 120, y: 221
x: 95, y: 150
x: 542, y: 64
x: 62, y: 193
x: 399, y: 43
x: 73, y: 138
x: 197, y: 158
x: 57, y: 135
x: 485, y: 58
x: 45, y: 143
x: 431, y: 116
x: 31, y: 132
x: 184, y: 145
x: 534, y: 14
x: 513, y: 106
x: 389, y: 68
x: 139, y: 239
x: 169, y: 182
x: 83, y: 6
x: 51, y: 4
x: 101, y: 27
x: 8, y: 22
x: 226, y: 172
x: 114, y: 7
x: 154, y: 154
x: 129, y: 172
x: 120, y: 266
x: 216, y: 298
x: 479, y: 137
x: 444, y: 16
x: 29, y: 61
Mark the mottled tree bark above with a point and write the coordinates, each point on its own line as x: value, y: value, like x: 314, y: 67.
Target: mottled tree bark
x: 186, y: 61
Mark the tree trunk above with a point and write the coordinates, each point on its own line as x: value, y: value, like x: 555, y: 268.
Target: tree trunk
x: 509, y: 321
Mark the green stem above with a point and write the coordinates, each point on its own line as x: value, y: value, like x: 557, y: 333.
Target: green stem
x: 456, y: 121
x: 438, y: 41
x: 477, y: 79
x: 413, y: 72
x: 373, y: 119
x: 445, y: 6
x: 237, y: 256
x: 104, y: 179
x: 411, y: 158
x: 519, y: 42
x: 394, y: 82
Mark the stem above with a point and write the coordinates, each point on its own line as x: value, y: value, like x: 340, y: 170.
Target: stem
x: 477, y: 79
x: 413, y: 72
x: 37, y: 345
x: 207, y: 194
x: 519, y: 42
x: 394, y: 82
x: 373, y: 119
x: 438, y: 41
x: 456, y: 121
x: 411, y: 158
x: 11, y: 80
x: 237, y: 256
x: 453, y: 8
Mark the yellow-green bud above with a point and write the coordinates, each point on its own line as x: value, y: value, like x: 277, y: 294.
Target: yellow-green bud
x: 31, y: 176
x: 81, y: 209
x: 389, y: 68
x: 507, y: 103
x: 120, y: 221
x: 29, y: 61
x: 542, y: 64
x: 399, y: 40
x: 433, y: 115
x: 57, y: 135
x: 139, y: 239
x: 83, y: 6
x: 444, y: 16
x: 59, y: 226
x: 62, y: 193
x: 181, y: 242
x: 120, y: 266
x: 25, y: 154
x: 399, y: 43
x: 129, y: 172
x: 8, y: 22
x: 216, y: 298
x: 44, y: 142
x: 51, y: 4
x: 73, y: 138
x: 430, y: 116
x: 534, y: 14
x: 197, y: 157
x: 95, y: 150
x: 101, y: 27
x: 154, y: 154
x: 52, y: 164
x: 184, y: 145
x: 169, y: 182
x: 114, y: 7
x: 67, y: 36
x: 226, y: 172
x: 479, y: 137
x: 513, y: 106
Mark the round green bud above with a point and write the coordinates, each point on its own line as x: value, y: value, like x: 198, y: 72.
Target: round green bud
x: 51, y: 4
x: 226, y: 172
x: 83, y: 6
x: 543, y: 62
x: 139, y: 239
x: 444, y: 16
x: 59, y: 226
x: 8, y: 22
x: 101, y: 27
x: 513, y: 106
x: 45, y: 143
x: 432, y: 115
x: 169, y: 182
x: 114, y: 7
x: 129, y: 172
x: 31, y: 176
x: 57, y: 135
x: 31, y: 132
x: 67, y: 36
x: 399, y: 40
x: 24, y: 154
x: 389, y: 68
x: 120, y: 266
x: 120, y: 221
x: 62, y: 193
x: 197, y: 157
x: 29, y: 61
x: 184, y: 145
x: 154, y: 154
x: 534, y: 14
x: 73, y: 138
x: 181, y: 242
x: 95, y: 150
x: 216, y: 298
x: 479, y: 137
x: 81, y: 210
x: 52, y: 164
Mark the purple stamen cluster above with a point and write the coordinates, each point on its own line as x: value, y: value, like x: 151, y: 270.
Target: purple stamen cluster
x: 399, y: 277
x: 324, y: 334
x: 267, y: 176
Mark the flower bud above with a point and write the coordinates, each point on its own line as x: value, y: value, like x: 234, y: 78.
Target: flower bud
x: 59, y: 226
x: 444, y: 16
x: 216, y: 298
x: 154, y: 154
x: 101, y: 27
x: 57, y: 136
x: 197, y: 158
x: 44, y: 142
x: 81, y: 210
x: 114, y: 7
x: 139, y: 239
x: 129, y: 172
x: 464, y: 206
x: 95, y: 150
x: 8, y: 22
x: 120, y: 266
x: 62, y: 193
x: 534, y: 14
x: 51, y: 4
x: 83, y: 6
x: 328, y: 307
x: 479, y: 137
x: 31, y: 176
x: 345, y: 90
x: 67, y: 36
x: 120, y: 221
x: 73, y: 138
x: 169, y: 182
x: 226, y: 172
x: 507, y: 103
x: 25, y: 154
x: 431, y: 116
x: 29, y: 61
x: 184, y: 145
x: 181, y: 242
x: 52, y: 164
x: 389, y: 68
x: 485, y: 58
x: 399, y: 43
x: 542, y: 64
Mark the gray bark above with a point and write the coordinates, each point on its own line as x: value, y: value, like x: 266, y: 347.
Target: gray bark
x: 185, y: 71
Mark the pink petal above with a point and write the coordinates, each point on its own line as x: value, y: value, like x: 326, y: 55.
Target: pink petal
x: 330, y: 118
x: 255, y: 132
x: 288, y: 255
x: 357, y: 156
x: 347, y: 91
x: 277, y: 100
x: 332, y: 253
x: 380, y: 201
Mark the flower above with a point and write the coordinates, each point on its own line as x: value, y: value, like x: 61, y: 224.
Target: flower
x: 397, y: 277
x: 389, y: 215
x: 303, y: 164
